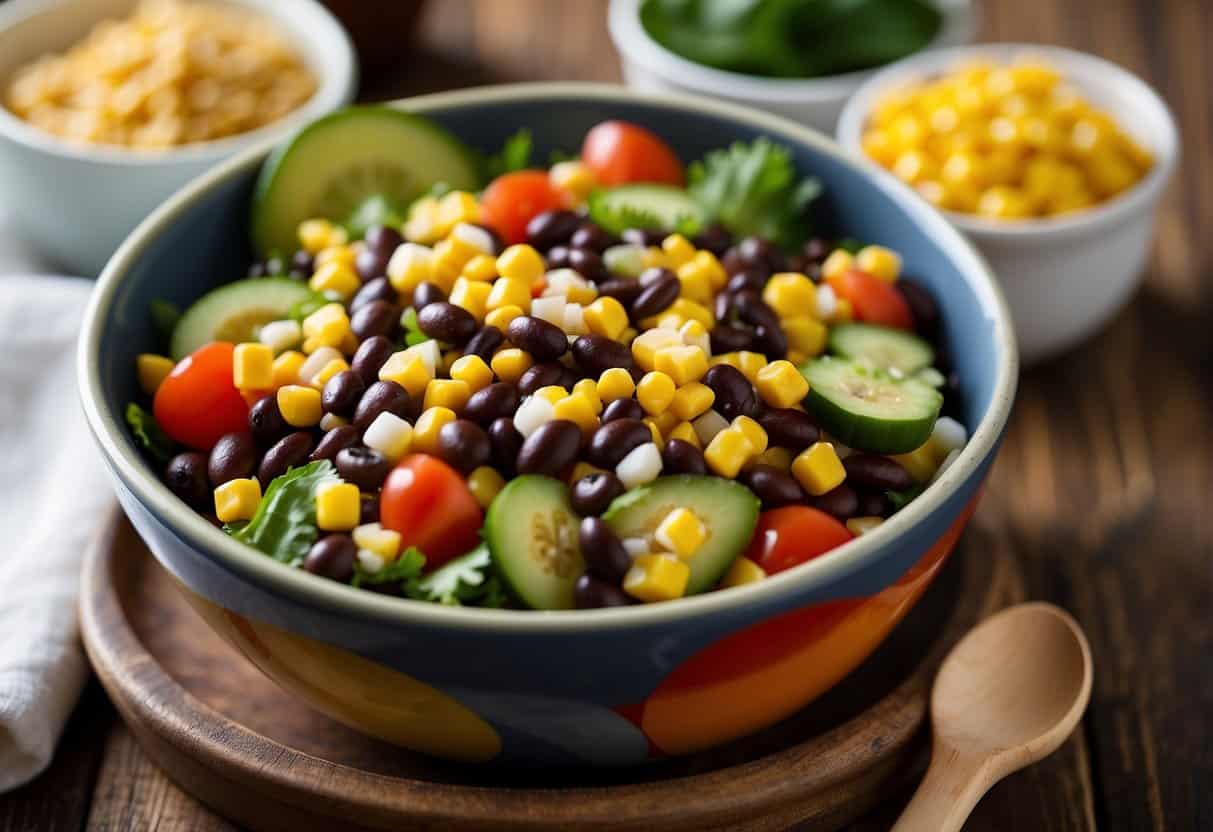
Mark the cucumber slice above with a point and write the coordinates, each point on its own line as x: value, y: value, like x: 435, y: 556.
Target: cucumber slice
x: 867, y: 409
x: 359, y: 156
x: 727, y: 508
x: 532, y: 534
x: 882, y: 347
x: 662, y: 207
x: 235, y: 312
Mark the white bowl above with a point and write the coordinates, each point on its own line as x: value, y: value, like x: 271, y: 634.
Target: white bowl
x: 76, y: 202
x: 650, y: 67
x: 1063, y: 277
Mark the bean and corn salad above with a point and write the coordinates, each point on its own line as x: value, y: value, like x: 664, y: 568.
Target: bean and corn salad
x: 590, y: 385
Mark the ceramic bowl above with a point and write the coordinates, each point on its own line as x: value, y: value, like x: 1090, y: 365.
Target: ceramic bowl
x: 77, y: 202
x: 1064, y: 277
x: 648, y: 66
x: 609, y: 686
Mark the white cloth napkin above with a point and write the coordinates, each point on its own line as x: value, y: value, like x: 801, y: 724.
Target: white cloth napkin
x: 53, y: 494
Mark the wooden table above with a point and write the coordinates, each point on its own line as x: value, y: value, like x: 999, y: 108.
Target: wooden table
x: 1102, y: 490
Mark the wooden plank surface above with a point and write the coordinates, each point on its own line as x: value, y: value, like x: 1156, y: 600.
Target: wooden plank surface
x: 1102, y: 489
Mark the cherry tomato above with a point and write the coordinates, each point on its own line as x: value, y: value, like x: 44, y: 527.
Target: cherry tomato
x: 198, y: 402
x: 792, y: 535
x: 430, y: 505
x: 874, y: 301
x: 619, y: 152
x: 513, y: 199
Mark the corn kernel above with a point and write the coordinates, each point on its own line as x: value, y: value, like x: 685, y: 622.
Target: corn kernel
x: 689, y: 310
x: 429, y: 423
x: 681, y: 532
x: 485, y: 484
x: 422, y: 223
x: 750, y: 364
x: 677, y: 249
x: 1004, y: 203
x: 589, y: 388
x: 472, y: 296
x: 728, y: 451
x: 654, y: 431
x: 575, y: 178
x: 411, y: 264
x: 743, y: 571
x: 655, y: 392
x: 780, y: 384
x: 472, y: 370
x: 701, y: 276
x: 300, y: 406
x: 447, y: 393
x: 237, y: 499
x: 655, y: 577
x: 338, y: 506
x: 606, y: 316
x: 521, y: 262
x: 281, y: 336
x: 330, y: 369
x: 686, y: 432
x: 346, y: 255
x: 375, y: 538
x: 317, y: 234
x: 843, y: 312
x: 692, y: 400
x: 446, y: 264
x: 509, y: 364
x: 682, y: 364
x: 551, y: 393
x: 335, y: 277
x: 615, y: 383
x: 790, y: 294
x: 509, y: 292
x: 806, y: 336
x: 647, y: 343
x: 879, y: 262
x: 286, y: 368
x: 154, y: 369
x: 654, y: 257
x: 408, y: 370
x: 776, y: 457
x: 730, y: 358
x: 482, y: 268
x: 754, y: 432
x: 862, y: 525
x: 818, y: 469
x: 500, y: 317
x: 448, y: 360
x: 577, y: 408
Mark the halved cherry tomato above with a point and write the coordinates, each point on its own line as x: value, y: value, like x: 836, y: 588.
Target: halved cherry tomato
x: 514, y: 199
x: 620, y: 152
x: 874, y: 301
x: 430, y: 505
x: 789, y: 536
x: 198, y: 403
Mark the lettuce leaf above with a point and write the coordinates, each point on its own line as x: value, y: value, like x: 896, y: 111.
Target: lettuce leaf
x: 514, y: 155
x: 148, y: 434
x: 284, y: 525
x: 404, y: 568
x: 467, y: 580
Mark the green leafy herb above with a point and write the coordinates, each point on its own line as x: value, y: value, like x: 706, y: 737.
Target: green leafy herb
x: 514, y: 155
x: 404, y: 568
x: 467, y: 580
x: 148, y: 434
x: 412, y: 332
x: 164, y: 320
x: 850, y: 245
x: 901, y: 499
x: 302, y: 308
x: 754, y: 189
x: 284, y: 525
x: 374, y: 210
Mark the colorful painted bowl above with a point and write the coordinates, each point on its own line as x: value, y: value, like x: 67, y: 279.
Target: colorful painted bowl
x: 612, y: 686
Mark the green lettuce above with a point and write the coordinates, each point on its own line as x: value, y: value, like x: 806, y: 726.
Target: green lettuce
x: 148, y: 434
x: 284, y: 525
x: 467, y: 580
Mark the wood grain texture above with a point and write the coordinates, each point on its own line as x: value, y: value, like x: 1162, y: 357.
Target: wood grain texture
x: 1101, y: 491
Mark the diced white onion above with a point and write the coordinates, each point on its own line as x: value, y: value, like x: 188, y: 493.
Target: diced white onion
x: 534, y: 412
x: 708, y: 425
x: 641, y: 465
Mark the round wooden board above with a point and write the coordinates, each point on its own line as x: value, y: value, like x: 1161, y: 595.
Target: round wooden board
x: 256, y: 755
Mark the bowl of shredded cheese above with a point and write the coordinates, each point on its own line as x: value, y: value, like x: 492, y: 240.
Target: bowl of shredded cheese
x: 108, y: 106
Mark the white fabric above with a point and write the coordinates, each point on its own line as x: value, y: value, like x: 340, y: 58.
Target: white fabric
x: 53, y: 494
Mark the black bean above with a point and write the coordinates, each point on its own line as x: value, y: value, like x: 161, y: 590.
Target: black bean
x: 656, y: 297
x: 746, y: 279
x: 539, y: 376
x: 484, y: 343
x: 492, y: 402
x: 550, y: 449
x: 622, y: 409
x: 654, y: 274
x: 588, y: 264
x: 817, y: 249
x: 595, y: 354
x: 378, y: 289
x: 557, y: 257
x: 734, y: 394
x: 364, y: 467
x: 291, y: 451
x: 592, y: 494
x: 760, y: 252
x: 266, y: 422
x: 614, y: 440
x: 799, y: 263
x: 726, y: 338
x: 233, y: 457
x: 774, y: 487
x: 383, y: 238
x: 681, y: 457
x: 551, y: 228
x: 923, y: 308
x: 426, y: 293
x: 591, y: 593
x: 371, y: 263
x: 379, y: 397
x: 544, y: 341
x: 342, y: 436
x: 332, y: 557
x: 303, y: 262
x: 368, y: 509
x: 506, y: 442
x: 568, y: 377
x: 788, y: 428
x: 722, y: 309
x: 591, y: 237
x: 623, y: 290
x: 446, y: 322
x: 370, y: 356
x: 342, y: 393
x: 379, y: 317
x: 732, y: 262
x: 185, y: 475
x: 752, y: 309
x: 842, y: 502
x: 464, y: 445
x: 877, y: 471
x: 770, y: 341
x: 873, y: 504
x: 602, y: 551
x: 642, y: 236
x: 715, y: 238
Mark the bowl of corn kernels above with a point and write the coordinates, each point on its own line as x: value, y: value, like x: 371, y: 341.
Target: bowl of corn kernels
x: 108, y: 106
x: 1051, y: 161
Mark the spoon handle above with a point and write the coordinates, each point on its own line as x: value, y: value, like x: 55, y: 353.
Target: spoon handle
x: 945, y: 797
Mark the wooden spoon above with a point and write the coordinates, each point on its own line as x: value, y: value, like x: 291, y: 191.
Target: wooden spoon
x: 1007, y: 696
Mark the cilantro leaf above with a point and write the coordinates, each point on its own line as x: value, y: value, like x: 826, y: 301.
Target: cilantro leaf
x: 412, y: 332
x: 404, y: 568
x: 284, y: 525
x: 148, y: 434
x: 466, y: 580
x: 901, y: 499
x: 754, y: 189
x: 514, y: 155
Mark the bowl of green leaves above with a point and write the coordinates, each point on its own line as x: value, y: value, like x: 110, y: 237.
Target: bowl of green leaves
x: 797, y: 58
